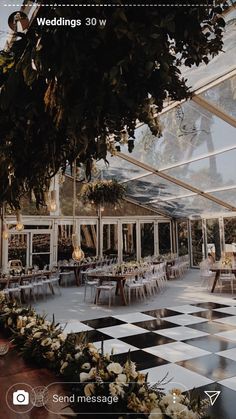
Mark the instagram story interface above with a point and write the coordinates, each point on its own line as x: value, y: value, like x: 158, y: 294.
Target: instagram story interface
x: 118, y: 209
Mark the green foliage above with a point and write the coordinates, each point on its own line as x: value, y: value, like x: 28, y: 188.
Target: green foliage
x: 103, y: 192
x: 65, y: 92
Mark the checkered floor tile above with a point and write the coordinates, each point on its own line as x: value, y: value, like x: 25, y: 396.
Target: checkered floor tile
x: 193, y: 345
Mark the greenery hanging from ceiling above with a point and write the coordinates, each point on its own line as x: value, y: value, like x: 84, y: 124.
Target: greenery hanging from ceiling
x: 103, y: 192
x: 71, y: 93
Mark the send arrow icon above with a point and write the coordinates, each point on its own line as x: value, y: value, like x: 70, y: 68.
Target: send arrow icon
x: 213, y: 396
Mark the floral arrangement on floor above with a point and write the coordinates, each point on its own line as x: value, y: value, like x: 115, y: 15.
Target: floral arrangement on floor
x: 103, y: 192
x: 96, y: 373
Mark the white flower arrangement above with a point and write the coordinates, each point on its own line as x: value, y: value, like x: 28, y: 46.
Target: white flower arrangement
x: 47, y: 344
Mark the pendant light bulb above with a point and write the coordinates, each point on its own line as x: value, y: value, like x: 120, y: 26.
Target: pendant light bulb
x: 53, y: 201
x: 78, y: 253
x: 5, y: 233
x: 19, y: 223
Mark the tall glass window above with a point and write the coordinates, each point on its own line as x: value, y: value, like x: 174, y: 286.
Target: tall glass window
x: 213, y: 238
x: 17, y: 247
x: 197, y: 242
x: 64, y: 249
x: 110, y: 240
x: 147, y: 239
x: 230, y: 236
x: 129, y: 241
x: 164, y: 238
x: 40, y: 250
x: 182, y: 233
x: 88, y: 238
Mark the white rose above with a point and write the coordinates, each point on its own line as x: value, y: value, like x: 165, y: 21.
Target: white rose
x: 37, y: 335
x: 46, y: 342
x: 84, y: 376
x: 121, y: 378
x: 115, y: 368
x: 6, y: 310
x: 30, y: 325
x: 55, y: 345
x: 156, y: 413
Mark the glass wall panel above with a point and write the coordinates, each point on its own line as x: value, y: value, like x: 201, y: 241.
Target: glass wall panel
x: 182, y: 233
x: 41, y: 243
x: 64, y: 249
x: 230, y: 236
x: 213, y: 238
x: 147, y: 239
x: 41, y: 249
x: 17, y: 247
x: 129, y: 241
x: 88, y: 234
x: 164, y: 238
x: 41, y: 260
x: 197, y: 242
x: 110, y: 240
x: 223, y: 96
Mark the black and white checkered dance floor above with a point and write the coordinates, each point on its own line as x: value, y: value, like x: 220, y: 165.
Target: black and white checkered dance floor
x: 194, y: 344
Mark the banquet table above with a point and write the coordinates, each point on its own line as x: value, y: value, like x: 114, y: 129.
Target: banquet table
x: 77, y: 269
x: 29, y: 277
x: 118, y: 278
x: 218, y: 269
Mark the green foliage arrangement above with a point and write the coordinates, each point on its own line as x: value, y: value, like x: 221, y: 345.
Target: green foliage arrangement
x: 66, y: 92
x: 103, y: 192
x: 96, y: 373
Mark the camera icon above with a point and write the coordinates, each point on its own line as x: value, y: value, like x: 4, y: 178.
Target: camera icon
x: 20, y: 397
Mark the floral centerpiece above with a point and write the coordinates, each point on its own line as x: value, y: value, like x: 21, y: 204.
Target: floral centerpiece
x: 94, y: 372
x: 227, y: 262
x: 103, y: 192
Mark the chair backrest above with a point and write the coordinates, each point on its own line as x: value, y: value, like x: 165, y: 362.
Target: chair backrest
x: 204, y: 267
x: 13, y: 282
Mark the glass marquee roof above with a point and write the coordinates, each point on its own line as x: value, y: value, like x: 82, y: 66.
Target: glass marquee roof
x: 191, y: 169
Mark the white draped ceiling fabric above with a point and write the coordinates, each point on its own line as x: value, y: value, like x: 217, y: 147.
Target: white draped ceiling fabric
x: 191, y: 169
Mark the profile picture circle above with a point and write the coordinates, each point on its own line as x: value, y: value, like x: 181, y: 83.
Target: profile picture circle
x: 18, y: 21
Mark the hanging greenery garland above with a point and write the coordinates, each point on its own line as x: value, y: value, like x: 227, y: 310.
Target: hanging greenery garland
x: 103, y: 192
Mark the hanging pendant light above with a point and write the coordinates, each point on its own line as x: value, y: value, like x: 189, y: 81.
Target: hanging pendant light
x: 5, y: 232
x: 77, y: 254
x: 19, y: 225
x: 53, y: 201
